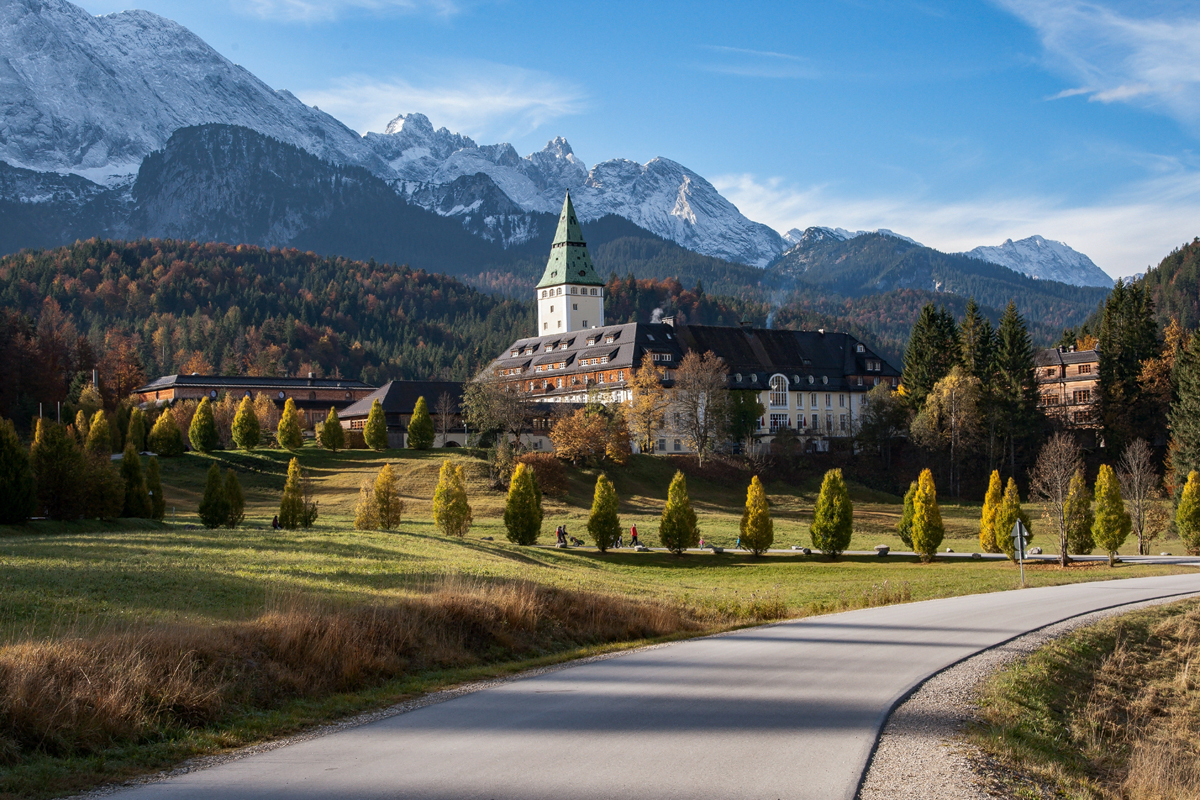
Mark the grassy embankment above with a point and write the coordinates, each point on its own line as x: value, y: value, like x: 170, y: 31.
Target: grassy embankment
x: 1110, y: 711
x: 133, y: 645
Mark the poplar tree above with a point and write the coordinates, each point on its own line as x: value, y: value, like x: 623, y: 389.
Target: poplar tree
x: 1010, y: 511
x: 137, y: 430
x: 904, y: 529
x: 928, y: 529
x: 165, y: 438
x: 291, y: 506
x: 214, y: 506
x: 420, y: 427
x: 1185, y: 412
x: 247, y: 432
x: 1187, y: 515
x: 137, y: 496
x: 678, y: 529
x: 202, y: 433
x: 375, y: 433
x: 757, y: 529
x: 17, y: 491
x: 523, y: 509
x: 58, y: 470
x: 99, y: 437
x: 833, y: 516
x: 389, y: 506
x: 1112, y: 524
x: 288, y: 434
x: 604, y: 524
x: 451, y: 511
x: 1079, y: 516
x: 236, y: 500
x: 991, y: 506
x: 932, y: 351
x: 158, y: 503
x: 332, y: 436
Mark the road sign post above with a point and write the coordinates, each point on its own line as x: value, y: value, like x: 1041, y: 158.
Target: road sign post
x: 1019, y: 537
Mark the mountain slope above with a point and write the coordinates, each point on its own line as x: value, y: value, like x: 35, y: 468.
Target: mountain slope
x: 1045, y: 259
x: 1174, y: 286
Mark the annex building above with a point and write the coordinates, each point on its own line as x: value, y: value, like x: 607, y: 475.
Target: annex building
x: 812, y: 382
x: 1067, y: 380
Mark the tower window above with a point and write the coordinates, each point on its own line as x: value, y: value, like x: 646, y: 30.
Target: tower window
x: 543, y: 293
x: 560, y: 323
x: 574, y: 306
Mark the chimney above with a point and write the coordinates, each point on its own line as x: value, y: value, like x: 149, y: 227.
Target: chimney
x: 669, y: 321
x: 821, y: 331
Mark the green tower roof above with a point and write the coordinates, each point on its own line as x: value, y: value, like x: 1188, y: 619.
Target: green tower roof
x: 569, y: 260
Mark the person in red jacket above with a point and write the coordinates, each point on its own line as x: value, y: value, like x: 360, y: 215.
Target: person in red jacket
x: 633, y: 540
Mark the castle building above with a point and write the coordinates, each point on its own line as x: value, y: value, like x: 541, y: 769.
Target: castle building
x: 811, y: 382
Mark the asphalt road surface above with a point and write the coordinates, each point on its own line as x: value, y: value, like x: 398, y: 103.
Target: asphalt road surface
x: 790, y: 710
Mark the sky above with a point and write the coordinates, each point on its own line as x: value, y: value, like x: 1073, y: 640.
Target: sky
x: 955, y: 122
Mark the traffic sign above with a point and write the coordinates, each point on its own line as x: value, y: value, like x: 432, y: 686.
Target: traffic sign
x: 1020, y: 537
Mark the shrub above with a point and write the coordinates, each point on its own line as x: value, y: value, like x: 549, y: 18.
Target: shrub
x: 420, y: 427
x: 289, y: 434
x: 137, y: 497
x: 237, y: 500
x: 451, y: 511
x: 247, y: 432
x: 158, y: 503
x: 604, y: 524
x: 375, y: 433
x: 757, y: 530
x: 59, y: 471
x: 991, y: 505
x: 523, y: 509
x: 17, y: 491
x: 202, y: 433
x: 214, y: 506
x: 906, y: 518
x: 1187, y: 515
x: 833, y: 517
x: 1112, y: 524
x: 332, y: 437
x: 678, y: 530
x: 550, y: 472
x: 927, y: 528
x: 165, y: 437
x: 389, y: 506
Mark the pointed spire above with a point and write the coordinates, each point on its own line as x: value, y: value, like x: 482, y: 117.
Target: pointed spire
x: 568, y: 231
x: 569, y: 259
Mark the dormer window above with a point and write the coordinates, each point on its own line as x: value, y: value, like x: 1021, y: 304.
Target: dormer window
x: 515, y: 352
x: 861, y: 349
x: 650, y: 336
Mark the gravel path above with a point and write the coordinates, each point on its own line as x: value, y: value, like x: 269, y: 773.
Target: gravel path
x: 921, y: 754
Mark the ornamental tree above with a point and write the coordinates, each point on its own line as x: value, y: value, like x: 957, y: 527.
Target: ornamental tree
x: 99, y: 436
x: 1006, y: 517
x: 375, y: 432
x: 1079, y: 516
x: 137, y: 496
x: 17, y: 492
x: 59, y: 471
x: 214, y: 506
x: 604, y: 524
x: 165, y: 438
x: 991, y: 505
x: 202, y: 433
x: 247, y: 432
x: 927, y: 530
x: 904, y: 529
x: 158, y: 503
x: 677, y: 530
x: 291, y: 506
x: 451, y: 511
x: 757, y: 529
x: 1187, y: 515
x: 289, y: 434
x: 237, y: 500
x: 420, y: 427
x: 1112, y: 524
x: 332, y: 436
x: 523, y: 509
x: 389, y: 505
x: 833, y: 516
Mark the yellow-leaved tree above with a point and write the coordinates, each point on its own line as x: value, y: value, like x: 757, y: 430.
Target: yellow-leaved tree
x: 757, y: 529
x: 451, y: 511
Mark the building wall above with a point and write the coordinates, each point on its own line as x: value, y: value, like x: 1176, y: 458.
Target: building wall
x: 562, y: 309
x: 1068, y: 392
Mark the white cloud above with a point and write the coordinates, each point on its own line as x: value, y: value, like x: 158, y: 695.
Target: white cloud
x: 492, y: 101
x: 1152, y: 59
x: 324, y: 10
x: 1123, y: 234
x: 758, y: 63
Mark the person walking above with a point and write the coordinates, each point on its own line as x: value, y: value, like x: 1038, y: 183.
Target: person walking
x: 633, y: 540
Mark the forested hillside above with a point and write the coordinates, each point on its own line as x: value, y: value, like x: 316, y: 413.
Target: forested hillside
x: 1174, y: 286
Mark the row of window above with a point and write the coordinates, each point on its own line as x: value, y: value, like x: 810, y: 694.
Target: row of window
x: 780, y: 421
x: 1080, y: 369
x: 570, y: 290
x: 576, y: 380
x: 779, y: 399
x: 1078, y: 397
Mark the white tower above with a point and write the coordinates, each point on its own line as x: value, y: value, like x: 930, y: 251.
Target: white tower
x: 570, y: 295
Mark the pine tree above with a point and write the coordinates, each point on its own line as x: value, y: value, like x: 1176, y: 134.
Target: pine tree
x: 137, y: 496
x: 523, y: 510
x: 928, y: 530
x: 678, y: 530
x: 236, y: 500
x: 103, y: 487
x: 932, y: 351
x: 1006, y: 517
x: 58, y: 470
x: 451, y: 511
x: 604, y: 525
x: 375, y: 433
x: 1187, y: 515
x: 214, y: 506
x: 991, y: 506
x: 1015, y: 385
x: 158, y: 503
x: 366, y: 513
x: 977, y: 341
x: 906, y: 518
x: 291, y: 507
x: 1128, y: 336
x: 388, y: 503
x: 332, y: 436
x: 420, y: 427
x: 833, y: 516
x: 757, y: 531
x: 99, y: 437
x: 1079, y: 516
x: 1112, y: 524
x: 137, y: 430
x: 247, y: 433
x: 165, y: 438
x: 289, y: 434
x: 17, y: 491
x: 1185, y: 412
x: 202, y: 433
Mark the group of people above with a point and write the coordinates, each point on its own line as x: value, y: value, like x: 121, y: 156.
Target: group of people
x: 563, y: 538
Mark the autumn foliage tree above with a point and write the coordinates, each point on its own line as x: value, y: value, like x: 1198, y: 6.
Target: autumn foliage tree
x: 757, y: 530
x: 247, y: 430
x: 523, y: 509
x: 451, y: 511
x: 289, y: 434
x: 1187, y: 515
x: 604, y: 523
x: 991, y: 506
x: 678, y: 529
x: 1112, y: 524
x: 332, y: 437
x: 375, y: 433
x: 833, y: 516
x: 203, y: 431
x: 928, y: 528
x: 647, y: 404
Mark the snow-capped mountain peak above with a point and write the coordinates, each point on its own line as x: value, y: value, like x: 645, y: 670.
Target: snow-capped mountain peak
x: 1045, y: 259
x: 817, y: 233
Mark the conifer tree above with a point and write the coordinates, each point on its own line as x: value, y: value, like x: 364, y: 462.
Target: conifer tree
x: 137, y: 496
x: 757, y: 529
x: 59, y: 470
x: 523, y: 509
x: 247, y: 433
x: 366, y: 513
x: 1079, y: 516
x: 137, y: 430
x: 332, y: 436
x: 1185, y: 412
x: 99, y: 437
x: 991, y: 506
x: 389, y: 506
x: 420, y: 427
x: 291, y: 507
x: 1009, y: 512
x: 165, y: 438
x: 214, y: 506
x: 451, y: 511
x: 932, y: 351
x: 1112, y: 524
x: 17, y: 492
x: 678, y: 530
x: 1015, y: 385
x: 904, y: 529
x: 103, y: 488
x: 375, y: 433
x: 833, y: 516
x: 289, y: 434
x: 158, y: 503
x: 977, y: 341
x: 202, y: 433
x: 236, y: 500
x: 1128, y: 336
x: 928, y: 530
x: 604, y: 525
x: 1187, y: 515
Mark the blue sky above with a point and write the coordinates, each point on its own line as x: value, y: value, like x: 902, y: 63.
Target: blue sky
x: 957, y: 123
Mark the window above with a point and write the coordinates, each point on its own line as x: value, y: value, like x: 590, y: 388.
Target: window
x: 666, y: 356
x: 843, y: 422
x: 829, y: 422
x: 815, y: 424
x: 810, y: 380
x: 779, y: 421
x: 559, y: 290
x: 829, y: 401
x: 560, y: 383
x: 677, y: 419
x: 620, y: 374
x: 1049, y: 399
x: 543, y: 293
x: 824, y: 379
x: 515, y: 353
x: 813, y: 400
x: 600, y: 378
x: 560, y: 323
x: 802, y: 420
x: 609, y: 339
x: 841, y: 401
x: 662, y: 443
x: 1082, y: 416
x: 861, y: 349
x: 678, y: 445
x: 312, y: 395
x: 779, y: 395
x: 862, y: 401
x: 585, y: 323
x: 574, y: 306
x: 860, y: 380
x: 593, y: 292
x: 1082, y: 396
x: 1085, y: 369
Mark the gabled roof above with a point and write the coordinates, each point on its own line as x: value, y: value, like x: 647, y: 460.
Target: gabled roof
x: 399, y: 397
x: 249, y: 382
x: 1054, y: 355
x: 569, y: 259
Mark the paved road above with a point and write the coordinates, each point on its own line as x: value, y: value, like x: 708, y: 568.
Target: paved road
x: 783, y: 711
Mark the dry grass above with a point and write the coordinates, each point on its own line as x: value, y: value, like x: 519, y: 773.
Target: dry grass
x: 72, y: 696
x: 1112, y: 711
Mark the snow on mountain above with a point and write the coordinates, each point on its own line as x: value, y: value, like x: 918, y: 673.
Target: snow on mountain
x: 95, y: 95
x: 1045, y: 259
x: 815, y: 234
